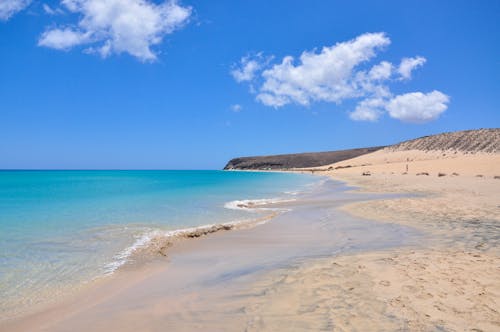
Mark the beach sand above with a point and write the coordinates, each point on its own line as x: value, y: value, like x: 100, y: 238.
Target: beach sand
x: 430, y: 262
x: 453, y: 282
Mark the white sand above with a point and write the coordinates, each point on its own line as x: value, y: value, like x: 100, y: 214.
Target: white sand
x: 454, y: 284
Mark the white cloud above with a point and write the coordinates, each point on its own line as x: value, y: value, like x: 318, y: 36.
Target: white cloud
x: 418, y: 107
x: 48, y: 10
x: 118, y: 26
x: 63, y: 39
x: 343, y: 72
x: 236, y: 108
x: 382, y: 71
x: 52, y: 11
x: 415, y: 107
x: 407, y: 65
x: 248, y: 66
x: 10, y: 7
x: 368, y: 110
x: 324, y: 76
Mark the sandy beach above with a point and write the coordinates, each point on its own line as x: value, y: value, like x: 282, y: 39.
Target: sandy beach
x: 423, y: 257
x: 448, y: 282
x: 253, y: 166
x: 213, y: 281
x: 453, y: 282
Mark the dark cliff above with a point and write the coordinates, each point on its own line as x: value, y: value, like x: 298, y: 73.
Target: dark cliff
x: 296, y: 160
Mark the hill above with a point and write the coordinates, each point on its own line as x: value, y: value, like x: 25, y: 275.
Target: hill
x: 480, y: 140
x: 297, y: 160
x: 468, y: 153
x: 466, y: 142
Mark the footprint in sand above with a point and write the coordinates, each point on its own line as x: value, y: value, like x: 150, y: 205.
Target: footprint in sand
x: 410, y: 289
x: 385, y: 283
x: 425, y: 296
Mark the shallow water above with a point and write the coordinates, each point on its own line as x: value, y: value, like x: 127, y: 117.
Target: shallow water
x: 207, y: 283
x: 61, y: 229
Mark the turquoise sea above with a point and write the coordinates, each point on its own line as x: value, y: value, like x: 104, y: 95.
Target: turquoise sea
x: 60, y: 229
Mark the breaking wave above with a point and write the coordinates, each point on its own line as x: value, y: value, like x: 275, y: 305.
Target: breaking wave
x: 156, y: 242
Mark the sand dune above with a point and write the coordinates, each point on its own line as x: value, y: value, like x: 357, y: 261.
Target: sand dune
x: 479, y: 140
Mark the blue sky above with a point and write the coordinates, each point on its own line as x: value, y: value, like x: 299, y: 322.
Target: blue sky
x: 80, y: 88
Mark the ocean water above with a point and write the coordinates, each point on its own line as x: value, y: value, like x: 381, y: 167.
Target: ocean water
x: 61, y: 229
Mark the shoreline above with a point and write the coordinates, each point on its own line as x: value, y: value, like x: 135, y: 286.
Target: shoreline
x: 443, y: 280
x: 154, y: 245
x: 51, y: 253
x: 449, y: 283
x: 288, y: 244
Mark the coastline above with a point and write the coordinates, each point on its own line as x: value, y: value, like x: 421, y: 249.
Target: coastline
x: 83, y: 225
x: 439, y: 277
x: 449, y: 282
x: 157, y: 244
x: 223, y: 265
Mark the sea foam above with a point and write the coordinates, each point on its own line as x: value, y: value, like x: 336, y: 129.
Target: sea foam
x: 154, y: 242
x: 256, y: 205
